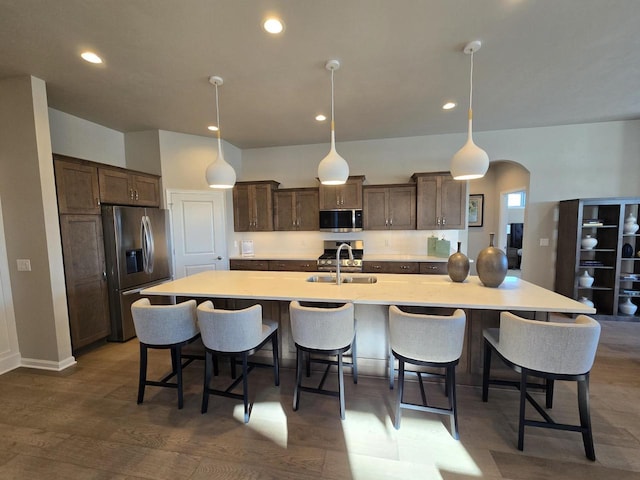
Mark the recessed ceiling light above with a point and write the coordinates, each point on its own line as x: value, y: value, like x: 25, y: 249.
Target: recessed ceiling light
x: 321, y: 118
x: 213, y: 128
x: 273, y: 25
x: 448, y: 106
x: 91, y: 57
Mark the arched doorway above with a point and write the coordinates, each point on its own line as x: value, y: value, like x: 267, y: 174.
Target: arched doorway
x: 504, y: 177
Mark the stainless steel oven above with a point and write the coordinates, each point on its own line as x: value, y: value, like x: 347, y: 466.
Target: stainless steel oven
x: 328, y: 261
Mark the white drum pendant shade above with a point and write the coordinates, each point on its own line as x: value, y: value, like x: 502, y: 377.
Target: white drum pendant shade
x: 470, y: 162
x: 219, y: 173
x: 333, y: 169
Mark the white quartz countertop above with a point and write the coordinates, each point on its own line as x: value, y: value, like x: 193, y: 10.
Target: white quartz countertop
x: 403, y: 289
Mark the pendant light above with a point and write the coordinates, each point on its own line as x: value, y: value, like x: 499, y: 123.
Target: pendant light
x: 333, y: 169
x: 219, y: 173
x: 470, y: 162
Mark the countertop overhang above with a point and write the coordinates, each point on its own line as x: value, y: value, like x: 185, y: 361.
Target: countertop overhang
x: 390, y: 289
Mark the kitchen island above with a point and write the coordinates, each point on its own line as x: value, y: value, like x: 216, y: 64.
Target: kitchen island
x: 429, y: 293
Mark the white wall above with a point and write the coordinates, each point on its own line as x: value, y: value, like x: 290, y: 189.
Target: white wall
x: 80, y: 138
x: 31, y: 224
x: 572, y: 161
x: 588, y: 160
x: 515, y: 215
x: 142, y: 150
x: 184, y: 159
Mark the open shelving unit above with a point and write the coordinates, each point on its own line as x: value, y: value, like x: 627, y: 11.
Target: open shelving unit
x: 616, y: 277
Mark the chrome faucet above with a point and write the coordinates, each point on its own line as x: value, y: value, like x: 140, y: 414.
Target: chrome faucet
x: 338, y: 278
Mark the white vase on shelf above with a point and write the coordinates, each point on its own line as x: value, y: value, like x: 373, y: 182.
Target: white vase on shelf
x: 586, y: 301
x: 585, y: 280
x: 630, y: 225
x: 628, y: 307
x: 588, y: 242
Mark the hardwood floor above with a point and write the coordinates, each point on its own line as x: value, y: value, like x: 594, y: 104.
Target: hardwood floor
x: 84, y: 423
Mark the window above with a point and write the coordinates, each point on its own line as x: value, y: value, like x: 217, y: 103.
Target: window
x: 516, y: 199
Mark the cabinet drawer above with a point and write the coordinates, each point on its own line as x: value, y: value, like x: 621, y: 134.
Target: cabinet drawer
x: 293, y: 265
x: 248, y: 264
x: 433, y: 268
x: 390, y: 267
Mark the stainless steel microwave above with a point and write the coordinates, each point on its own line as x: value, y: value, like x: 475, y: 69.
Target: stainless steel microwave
x: 341, y: 220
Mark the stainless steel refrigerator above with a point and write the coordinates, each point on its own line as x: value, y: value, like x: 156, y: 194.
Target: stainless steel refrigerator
x: 137, y: 256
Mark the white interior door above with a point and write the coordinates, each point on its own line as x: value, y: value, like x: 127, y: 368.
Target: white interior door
x: 198, y: 232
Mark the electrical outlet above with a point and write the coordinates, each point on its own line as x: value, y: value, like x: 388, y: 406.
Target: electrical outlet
x: 24, y: 264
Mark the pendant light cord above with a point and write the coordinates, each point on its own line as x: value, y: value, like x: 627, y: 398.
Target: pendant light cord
x: 218, y: 116
x: 471, y: 88
x: 333, y: 126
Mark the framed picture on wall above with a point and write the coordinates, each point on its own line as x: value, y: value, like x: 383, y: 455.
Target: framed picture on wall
x: 476, y: 209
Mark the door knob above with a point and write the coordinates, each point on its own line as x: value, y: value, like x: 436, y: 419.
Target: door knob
x: 219, y: 257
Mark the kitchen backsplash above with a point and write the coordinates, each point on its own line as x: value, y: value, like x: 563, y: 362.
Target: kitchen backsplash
x: 309, y: 244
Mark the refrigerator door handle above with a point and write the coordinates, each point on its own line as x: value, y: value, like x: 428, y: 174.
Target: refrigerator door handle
x: 146, y: 239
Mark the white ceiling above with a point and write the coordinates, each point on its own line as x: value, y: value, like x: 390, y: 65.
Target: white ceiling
x: 543, y: 62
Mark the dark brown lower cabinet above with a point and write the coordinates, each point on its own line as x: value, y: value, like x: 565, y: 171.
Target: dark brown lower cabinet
x: 427, y: 268
x: 390, y: 267
x: 84, y: 269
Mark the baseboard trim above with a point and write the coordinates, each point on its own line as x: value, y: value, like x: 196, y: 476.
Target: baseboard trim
x: 10, y: 362
x: 48, y: 364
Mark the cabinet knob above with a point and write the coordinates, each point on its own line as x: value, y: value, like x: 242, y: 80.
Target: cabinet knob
x: 219, y: 257
x: 137, y: 196
x: 404, y: 267
x: 444, y: 220
x: 391, y: 222
x: 377, y: 267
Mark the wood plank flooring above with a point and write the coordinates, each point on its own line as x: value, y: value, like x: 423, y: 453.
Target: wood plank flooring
x: 84, y: 423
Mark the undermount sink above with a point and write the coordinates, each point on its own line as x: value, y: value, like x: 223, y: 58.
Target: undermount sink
x: 345, y: 279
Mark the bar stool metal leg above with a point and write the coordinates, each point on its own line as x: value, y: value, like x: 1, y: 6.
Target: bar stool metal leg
x: 341, y: 385
x: 143, y: 372
x: 400, y: 393
x: 585, y: 418
x: 296, y: 393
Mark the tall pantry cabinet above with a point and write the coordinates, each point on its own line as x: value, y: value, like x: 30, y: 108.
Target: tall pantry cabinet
x: 613, y: 262
x: 83, y: 250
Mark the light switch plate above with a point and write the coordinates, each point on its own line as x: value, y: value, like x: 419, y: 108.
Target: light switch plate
x: 544, y: 242
x: 24, y: 264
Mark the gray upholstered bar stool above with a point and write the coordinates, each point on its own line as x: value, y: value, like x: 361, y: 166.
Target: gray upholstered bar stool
x: 235, y: 333
x: 326, y: 332
x: 428, y: 341
x: 548, y: 350
x: 166, y: 327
